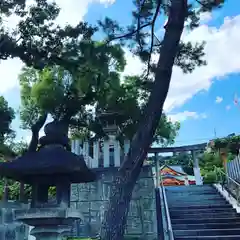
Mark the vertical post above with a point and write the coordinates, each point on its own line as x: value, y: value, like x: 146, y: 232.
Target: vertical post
x: 77, y: 147
x: 85, y: 148
x: 196, y: 169
x: 126, y: 146
x: 116, y: 153
x: 157, y: 169
x: 73, y: 146
x: 86, y: 152
x: 106, y: 157
x: 95, y: 154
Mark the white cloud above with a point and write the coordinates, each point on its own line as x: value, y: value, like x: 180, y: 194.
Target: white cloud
x: 183, y: 116
x: 218, y: 99
x: 222, y: 55
x: 72, y: 12
x: 9, y: 74
x: 228, y: 107
x: 205, y: 17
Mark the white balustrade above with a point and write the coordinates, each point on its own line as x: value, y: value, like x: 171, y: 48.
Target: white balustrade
x: 96, y: 154
x: 106, y: 155
x: 126, y: 146
x: 117, y: 154
x: 94, y: 162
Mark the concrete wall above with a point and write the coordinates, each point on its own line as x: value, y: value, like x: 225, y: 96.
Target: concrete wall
x: 92, y: 200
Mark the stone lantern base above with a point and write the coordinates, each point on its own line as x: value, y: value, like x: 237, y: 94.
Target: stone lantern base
x: 48, y: 223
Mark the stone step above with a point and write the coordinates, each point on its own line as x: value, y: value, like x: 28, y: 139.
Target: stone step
x: 194, y: 191
x: 197, y: 200
x: 208, y: 237
x: 207, y: 232
x: 204, y: 215
x: 200, y: 211
x: 189, y: 188
x: 205, y: 220
x: 206, y: 226
x: 185, y: 195
x: 200, y: 206
x: 193, y: 204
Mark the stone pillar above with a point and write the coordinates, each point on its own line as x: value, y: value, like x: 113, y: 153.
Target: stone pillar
x: 116, y: 153
x: 157, y: 168
x: 106, y: 157
x: 126, y: 147
x: 95, y: 154
x: 73, y: 146
x: 63, y: 194
x: 77, y: 147
x: 50, y: 232
x: 39, y: 194
x: 196, y: 169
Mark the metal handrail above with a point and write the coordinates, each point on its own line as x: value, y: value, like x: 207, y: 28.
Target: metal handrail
x: 231, y: 185
x: 166, y: 209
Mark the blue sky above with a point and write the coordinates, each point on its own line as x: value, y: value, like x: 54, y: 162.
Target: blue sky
x: 192, y: 97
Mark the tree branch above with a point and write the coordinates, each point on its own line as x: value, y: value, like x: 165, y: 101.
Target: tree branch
x: 130, y: 33
x: 152, y: 34
x: 35, y: 132
x: 115, y: 219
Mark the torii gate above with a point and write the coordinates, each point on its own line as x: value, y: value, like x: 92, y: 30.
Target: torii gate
x: 192, y: 148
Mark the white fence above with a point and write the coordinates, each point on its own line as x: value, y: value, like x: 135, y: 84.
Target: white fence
x: 233, y: 169
x: 106, y: 154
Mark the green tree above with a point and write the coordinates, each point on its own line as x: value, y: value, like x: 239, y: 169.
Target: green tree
x: 37, y: 40
x: 184, y: 159
x: 129, y: 100
x: 6, y: 134
x: 6, y: 117
x: 64, y: 94
x: 208, y: 164
x: 171, y: 51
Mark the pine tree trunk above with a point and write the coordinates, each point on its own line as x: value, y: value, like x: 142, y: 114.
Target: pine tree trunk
x: 113, y: 226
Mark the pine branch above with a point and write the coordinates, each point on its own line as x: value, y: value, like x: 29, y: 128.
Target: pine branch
x: 152, y: 35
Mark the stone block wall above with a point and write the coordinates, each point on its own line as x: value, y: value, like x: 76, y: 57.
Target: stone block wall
x: 92, y: 200
x: 10, y: 229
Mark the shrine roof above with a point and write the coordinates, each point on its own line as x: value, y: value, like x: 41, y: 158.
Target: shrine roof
x: 175, y: 168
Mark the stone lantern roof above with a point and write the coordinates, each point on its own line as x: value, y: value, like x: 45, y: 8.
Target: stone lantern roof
x: 51, y: 163
x: 109, y: 121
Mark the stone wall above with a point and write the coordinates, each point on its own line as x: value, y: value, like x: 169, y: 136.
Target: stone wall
x: 92, y: 200
x: 10, y: 229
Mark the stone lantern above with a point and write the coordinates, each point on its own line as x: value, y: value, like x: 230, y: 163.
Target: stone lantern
x: 51, y: 165
x: 109, y: 121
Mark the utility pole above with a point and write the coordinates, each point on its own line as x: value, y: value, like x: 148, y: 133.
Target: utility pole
x: 215, y: 133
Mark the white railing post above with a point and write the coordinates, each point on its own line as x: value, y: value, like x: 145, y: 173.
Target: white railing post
x: 73, y: 146
x: 106, y: 155
x: 95, y: 154
x: 116, y: 153
x: 126, y: 146
x: 85, y: 152
x: 77, y: 147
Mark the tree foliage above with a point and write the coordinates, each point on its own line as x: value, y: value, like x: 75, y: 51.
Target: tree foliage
x: 40, y: 43
x: 231, y: 144
x: 183, y: 159
x: 6, y: 116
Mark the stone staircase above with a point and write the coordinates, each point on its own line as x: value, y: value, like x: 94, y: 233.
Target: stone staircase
x: 200, y: 212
